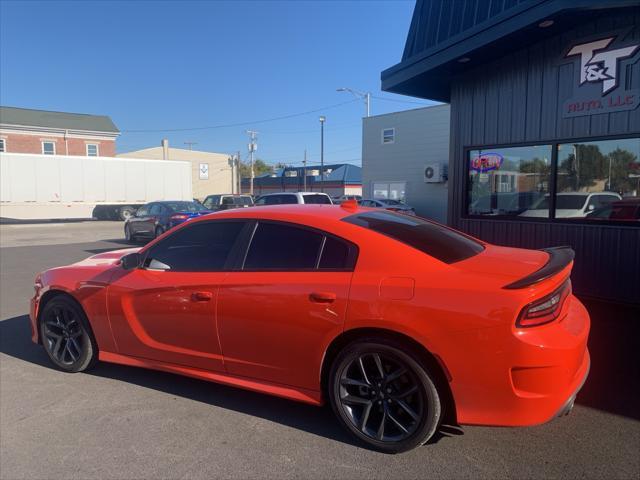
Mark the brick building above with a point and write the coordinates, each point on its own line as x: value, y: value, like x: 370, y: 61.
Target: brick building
x: 24, y: 130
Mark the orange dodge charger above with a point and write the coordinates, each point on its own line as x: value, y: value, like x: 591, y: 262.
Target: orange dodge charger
x: 395, y: 320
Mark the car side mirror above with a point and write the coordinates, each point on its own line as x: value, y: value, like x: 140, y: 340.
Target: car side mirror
x: 131, y: 261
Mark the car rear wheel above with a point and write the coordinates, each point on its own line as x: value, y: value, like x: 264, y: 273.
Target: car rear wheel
x: 66, y: 335
x: 384, y: 396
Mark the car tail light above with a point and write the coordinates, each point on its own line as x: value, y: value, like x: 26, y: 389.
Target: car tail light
x: 179, y: 216
x: 545, y: 310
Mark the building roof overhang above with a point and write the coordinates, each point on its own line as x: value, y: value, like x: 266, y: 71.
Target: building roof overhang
x: 428, y: 73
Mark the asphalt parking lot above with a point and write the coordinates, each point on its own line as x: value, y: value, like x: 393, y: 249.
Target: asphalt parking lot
x: 124, y: 422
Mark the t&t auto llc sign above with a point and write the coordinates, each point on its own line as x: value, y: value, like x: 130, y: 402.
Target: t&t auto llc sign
x: 600, y: 67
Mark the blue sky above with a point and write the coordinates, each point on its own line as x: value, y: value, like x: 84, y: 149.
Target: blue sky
x: 176, y: 65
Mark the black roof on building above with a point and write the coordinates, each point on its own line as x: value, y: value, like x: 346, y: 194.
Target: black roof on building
x: 448, y: 37
x: 63, y: 120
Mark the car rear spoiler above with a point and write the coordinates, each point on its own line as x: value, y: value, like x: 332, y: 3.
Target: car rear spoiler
x: 559, y: 258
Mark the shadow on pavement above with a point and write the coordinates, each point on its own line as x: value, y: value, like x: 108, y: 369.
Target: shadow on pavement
x: 612, y: 386
x: 15, y: 341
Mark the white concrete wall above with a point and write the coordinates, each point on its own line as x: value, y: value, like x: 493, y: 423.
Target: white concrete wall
x: 421, y: 137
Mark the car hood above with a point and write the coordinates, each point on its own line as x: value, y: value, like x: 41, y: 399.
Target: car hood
x: 107, y: 258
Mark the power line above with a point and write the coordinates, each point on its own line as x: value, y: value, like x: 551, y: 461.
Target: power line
x: 240, y: 124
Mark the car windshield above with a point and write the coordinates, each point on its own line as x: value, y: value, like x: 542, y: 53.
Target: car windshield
x: 185, y: 206
x: 435, y: 240
x: 317, y: 199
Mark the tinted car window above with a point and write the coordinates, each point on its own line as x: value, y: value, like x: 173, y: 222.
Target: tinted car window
x: 211, y: 201
x: 282, y: 247
x: 335, y: 255
x: 316, y: 199
x: 155, y: 209
x: 202, y: 247
x: 281, y: 199
x: 435, y: 240
x: 143, y: 211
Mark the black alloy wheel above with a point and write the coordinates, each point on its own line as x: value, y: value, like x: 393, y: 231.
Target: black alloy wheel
x: 66, y: 335
x: 384, y: 396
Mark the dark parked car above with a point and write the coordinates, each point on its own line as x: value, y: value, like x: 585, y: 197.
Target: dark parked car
x: 155, y: 218
x: 225, y: 202
x: 625, y: 209
x: 388, y: 204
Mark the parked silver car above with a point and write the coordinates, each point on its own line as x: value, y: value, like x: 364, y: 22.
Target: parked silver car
x: 388, y: 204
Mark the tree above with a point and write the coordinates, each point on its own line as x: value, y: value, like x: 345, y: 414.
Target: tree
x: 260, y: 167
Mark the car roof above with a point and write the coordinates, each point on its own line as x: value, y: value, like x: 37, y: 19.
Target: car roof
x: 292, y: 193
x: 303, y: 213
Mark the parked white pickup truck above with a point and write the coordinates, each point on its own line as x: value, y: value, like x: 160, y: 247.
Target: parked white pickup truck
x: 571, y: 204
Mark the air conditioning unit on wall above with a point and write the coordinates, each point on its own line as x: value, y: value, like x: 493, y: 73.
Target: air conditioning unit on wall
x: 435, y: 172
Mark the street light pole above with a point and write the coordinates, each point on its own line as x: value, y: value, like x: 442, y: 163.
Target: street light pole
x: 366, y: 96
x: 322, y: 120
x: 252, y: 148
x: 304, y: 170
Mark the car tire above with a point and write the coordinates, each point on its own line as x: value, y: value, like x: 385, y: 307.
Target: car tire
x: 383, y: 394
x: 128, y: 236
x: 159, y: 231
x: 67, y: 336
x: 126, y: 213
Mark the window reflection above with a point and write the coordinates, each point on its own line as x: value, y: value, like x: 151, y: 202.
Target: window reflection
x: 599, y: 180
x: 508, y: 181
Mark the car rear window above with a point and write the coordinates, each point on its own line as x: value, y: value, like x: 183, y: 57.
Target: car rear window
x: 317, y: 199
x: 435, y: 240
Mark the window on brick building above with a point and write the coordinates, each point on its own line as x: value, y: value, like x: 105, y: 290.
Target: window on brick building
x: 48, y: 148
x: 92, y: 150
x: 3, y: 145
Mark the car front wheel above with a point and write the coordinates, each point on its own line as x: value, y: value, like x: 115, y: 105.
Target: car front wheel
x: 129, y: 237
x: 66, y: 335
x: 384, y: 396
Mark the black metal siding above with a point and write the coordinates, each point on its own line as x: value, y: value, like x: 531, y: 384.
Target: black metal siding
x: 436, y: 21
x: 517, y: 99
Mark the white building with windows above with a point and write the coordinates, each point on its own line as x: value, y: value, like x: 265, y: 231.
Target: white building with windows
x: 405, y: 156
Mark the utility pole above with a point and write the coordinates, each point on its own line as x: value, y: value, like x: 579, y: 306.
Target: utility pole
x: 252, y: 148
x: 238, y: 174
x: 322, y: 120
x: 190, y: 144
x: 304, y: 170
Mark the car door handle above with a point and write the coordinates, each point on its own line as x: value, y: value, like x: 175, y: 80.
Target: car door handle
x: 201, y: 296
x: 322, y: 297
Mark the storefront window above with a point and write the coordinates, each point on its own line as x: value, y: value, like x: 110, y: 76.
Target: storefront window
x: 508, y: 181
x: 599, y: 180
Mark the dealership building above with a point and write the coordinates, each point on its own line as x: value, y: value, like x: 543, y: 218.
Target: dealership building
x: 545, y: 125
